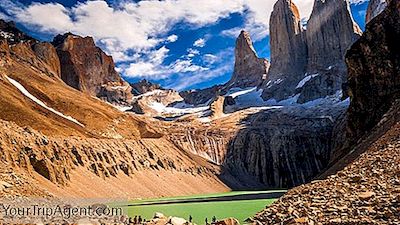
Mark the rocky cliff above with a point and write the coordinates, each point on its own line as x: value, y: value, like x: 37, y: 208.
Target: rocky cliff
x: 12, y: 34
x: 363, y: 187
x: 374, y: 72
x: 249, y: 70
x: 282, y: 148
x: 144, y: 86
x: 87, y: 68
x: 309, y: 62
x: 330, y: 32
x: 288, y: 51
x: 375, y: 7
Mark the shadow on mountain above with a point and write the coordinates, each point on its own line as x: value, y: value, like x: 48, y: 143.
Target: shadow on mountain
x: 281, y: 147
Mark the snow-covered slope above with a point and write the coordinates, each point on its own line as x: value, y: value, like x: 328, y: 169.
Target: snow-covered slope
x: 39, y: 102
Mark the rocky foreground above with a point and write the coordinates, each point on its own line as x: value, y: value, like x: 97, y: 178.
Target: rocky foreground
x: 365, y: 192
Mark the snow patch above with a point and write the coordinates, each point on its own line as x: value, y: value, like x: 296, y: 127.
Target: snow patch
x: 39, y: 102
x: 305, y: 80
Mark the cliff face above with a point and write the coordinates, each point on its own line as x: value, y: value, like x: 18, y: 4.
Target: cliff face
x: 287, y: 41
x: 87, y: 68
x: 330, y: 32
x: 367, y: 172
x: 309, y: 62
x: 374, y: 8
x: 249, y: 71
x: 374, y: 71
x: 12, y: 34
x: 282, y: 147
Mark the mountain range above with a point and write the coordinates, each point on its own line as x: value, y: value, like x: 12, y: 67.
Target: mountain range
x: 320, y: 117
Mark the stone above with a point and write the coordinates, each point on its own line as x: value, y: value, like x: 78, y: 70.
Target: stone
x: 177, y: 221
x: 364, y: 196
x: 85, y: 67
x: 374, y: 72
x: 249, y: 70
x: 158, y: 215
x: 227, y: 221
x: 375, y: 7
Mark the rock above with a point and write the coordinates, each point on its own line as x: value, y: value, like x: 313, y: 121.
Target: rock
x: 46, y: 52
x: 202, y: 96
x: 287, y: 41
x: 375, y: 7
x: 227, y: 221
x: 90, y: 72
x: 309, y: 62
x: 288, y: 51
x: 158, y: 215
x: 12, y: 34
x: 5, y: 184
x: 249, y: 71
x: 364, y: 196
x: 330, y: 32
x: 374, y: 72
x: 177, y: 221
x: 144, y: 86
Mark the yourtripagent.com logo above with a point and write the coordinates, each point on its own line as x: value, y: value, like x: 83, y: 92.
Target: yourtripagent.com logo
x: 45, y: 213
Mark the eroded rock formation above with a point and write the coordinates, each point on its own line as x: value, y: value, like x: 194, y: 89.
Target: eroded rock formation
x: 309, y: 62
x: 85, y: 67
x: 330, y: 32
x: 249, y: 71
x: 282, y: 147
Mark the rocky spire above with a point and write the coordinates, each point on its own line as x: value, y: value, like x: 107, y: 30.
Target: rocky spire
x: 249, y: 69
x: 288, y: 49
x: 375, y: 7
x: 330, y: 32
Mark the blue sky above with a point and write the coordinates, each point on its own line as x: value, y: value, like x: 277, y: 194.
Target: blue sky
x: 181, y: 44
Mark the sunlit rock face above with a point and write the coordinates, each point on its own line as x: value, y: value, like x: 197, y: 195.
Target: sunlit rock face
x: 85, y: 67
x: 309, y: 62
x: 249, y: 70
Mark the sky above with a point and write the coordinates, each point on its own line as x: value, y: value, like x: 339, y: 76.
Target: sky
x: 180, y: 44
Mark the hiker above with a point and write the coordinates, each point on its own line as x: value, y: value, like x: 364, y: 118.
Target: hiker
x: 214, y: 219
x: 190, y: 218
x: 140, y: 220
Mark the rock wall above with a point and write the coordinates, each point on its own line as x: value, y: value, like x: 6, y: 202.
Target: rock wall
x: 282, y: 148
x: 330, y: 32
x: 249, y: 70
x: 314, y: 57
x: 375, y: 7
x: 85, y: 67
x: 374, y: 72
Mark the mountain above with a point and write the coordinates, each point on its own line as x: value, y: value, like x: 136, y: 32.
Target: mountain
x: 309, y: 63
x: 58, y: 141
x: 288, y: 51
x: 249, y: 70
x: 362, y: 187
x: 92, y: 72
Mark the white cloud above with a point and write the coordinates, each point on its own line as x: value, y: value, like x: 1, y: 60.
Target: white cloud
x: 172, y: 38
x: 201, y: 42
x: 133, y: 31
x: 192, y: 52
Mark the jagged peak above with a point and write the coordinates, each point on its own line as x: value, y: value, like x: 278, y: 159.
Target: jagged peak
x: 244, y: 42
